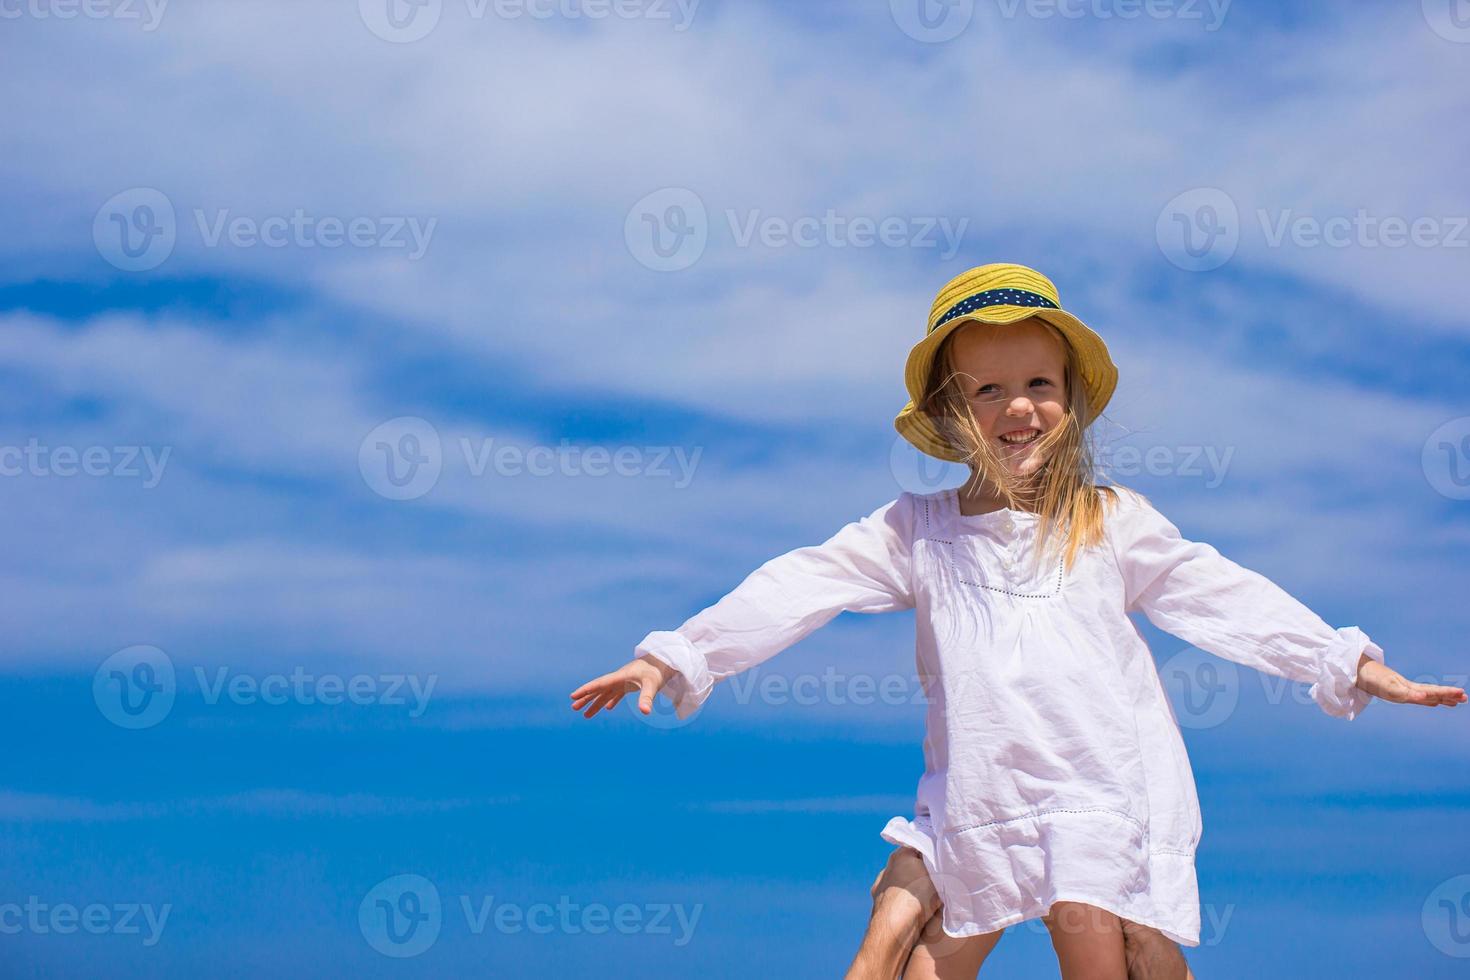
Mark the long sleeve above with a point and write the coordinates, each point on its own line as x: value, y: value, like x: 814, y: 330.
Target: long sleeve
x: 1189, y: 589
x: 864, y: 567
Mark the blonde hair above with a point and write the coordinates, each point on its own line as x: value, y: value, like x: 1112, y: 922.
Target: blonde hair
x: 1062, y: 492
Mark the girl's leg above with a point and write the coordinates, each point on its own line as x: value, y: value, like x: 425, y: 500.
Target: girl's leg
x: 938, y: 956
x: 1088, y: 941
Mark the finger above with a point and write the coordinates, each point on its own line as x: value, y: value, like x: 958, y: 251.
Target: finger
x: 591, y: 686
x: 645, y: 696
x: 593, y: 707
x: 1431, y: 695
x: 579, y: 702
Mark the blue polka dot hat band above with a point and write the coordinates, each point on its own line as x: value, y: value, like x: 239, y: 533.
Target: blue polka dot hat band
x: 994, y: 297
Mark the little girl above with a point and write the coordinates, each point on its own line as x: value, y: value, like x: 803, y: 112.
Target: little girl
x: 1055, y: 773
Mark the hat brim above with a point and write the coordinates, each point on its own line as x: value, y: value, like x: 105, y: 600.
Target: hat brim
x: 1095, y: 366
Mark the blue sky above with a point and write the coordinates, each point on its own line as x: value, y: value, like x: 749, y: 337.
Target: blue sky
x: 1294, y: 372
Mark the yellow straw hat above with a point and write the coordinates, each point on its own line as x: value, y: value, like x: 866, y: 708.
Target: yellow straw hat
x: 999, y: 293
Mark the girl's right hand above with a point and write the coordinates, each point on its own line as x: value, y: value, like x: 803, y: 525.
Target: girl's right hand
x: 647, y: 674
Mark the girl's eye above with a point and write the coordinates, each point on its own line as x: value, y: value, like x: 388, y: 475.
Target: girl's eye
x: 984, y: 388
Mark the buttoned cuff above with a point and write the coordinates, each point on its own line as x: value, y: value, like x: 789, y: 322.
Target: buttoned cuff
x: 692, y: 684
x: 1335, y: 691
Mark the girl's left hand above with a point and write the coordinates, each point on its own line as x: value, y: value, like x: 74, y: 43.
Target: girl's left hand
x: 1384, y: 682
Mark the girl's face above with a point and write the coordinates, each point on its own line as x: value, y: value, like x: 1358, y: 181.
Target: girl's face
x: 1014, y: 377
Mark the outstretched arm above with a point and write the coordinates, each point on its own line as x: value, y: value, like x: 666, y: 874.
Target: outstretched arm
x: 864, y: 567
x: 1192, y: 591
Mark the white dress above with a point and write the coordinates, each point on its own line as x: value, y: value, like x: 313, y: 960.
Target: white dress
x: 1054, y: 767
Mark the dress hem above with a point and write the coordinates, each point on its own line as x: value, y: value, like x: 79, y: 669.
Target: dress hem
x: 903, y: 833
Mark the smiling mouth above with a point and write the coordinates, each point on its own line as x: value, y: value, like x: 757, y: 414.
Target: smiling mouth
x: 1022, y: 437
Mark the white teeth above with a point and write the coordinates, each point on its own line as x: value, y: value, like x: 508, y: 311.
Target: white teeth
x: 1029, y: 436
